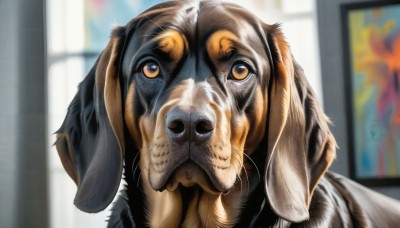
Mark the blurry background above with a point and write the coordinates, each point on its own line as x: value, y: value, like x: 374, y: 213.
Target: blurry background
x: 46, y: 49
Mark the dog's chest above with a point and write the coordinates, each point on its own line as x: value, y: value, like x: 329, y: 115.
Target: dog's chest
x: 193, y: 207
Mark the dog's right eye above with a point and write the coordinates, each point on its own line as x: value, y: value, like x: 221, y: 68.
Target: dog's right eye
x: 151, y: 70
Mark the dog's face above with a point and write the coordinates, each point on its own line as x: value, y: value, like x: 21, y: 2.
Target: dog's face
x: 196, y: 96
x: 196, y: 90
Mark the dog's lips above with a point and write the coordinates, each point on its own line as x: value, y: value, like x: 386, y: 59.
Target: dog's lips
x: 189, y: 174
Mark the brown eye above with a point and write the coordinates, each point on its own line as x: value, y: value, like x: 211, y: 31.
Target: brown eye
x: 151, y: 70
x: 240, y: 71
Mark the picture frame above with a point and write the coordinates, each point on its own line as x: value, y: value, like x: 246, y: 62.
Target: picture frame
x: 371, y: 42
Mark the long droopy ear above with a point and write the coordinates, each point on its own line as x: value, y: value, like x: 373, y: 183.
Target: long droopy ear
x: 90, y: 142
x: 300, y: 145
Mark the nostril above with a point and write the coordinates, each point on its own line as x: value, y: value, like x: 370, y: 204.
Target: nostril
x: 204, y: 126
x: 188, y: 125
x: 176, y: 126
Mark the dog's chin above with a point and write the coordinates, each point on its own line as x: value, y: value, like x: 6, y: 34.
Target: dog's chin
x: 190, y: 175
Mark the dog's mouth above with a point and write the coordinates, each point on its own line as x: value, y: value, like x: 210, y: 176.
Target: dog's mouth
x: 189, y: 175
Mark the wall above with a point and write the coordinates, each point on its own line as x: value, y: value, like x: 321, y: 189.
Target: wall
x: 23, y: 170
x: 332, y: 73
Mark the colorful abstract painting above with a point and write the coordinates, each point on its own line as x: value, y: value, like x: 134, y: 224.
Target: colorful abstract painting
x: 374, y: 46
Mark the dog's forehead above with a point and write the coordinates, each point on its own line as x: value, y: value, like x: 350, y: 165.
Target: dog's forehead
x: 197, y: 21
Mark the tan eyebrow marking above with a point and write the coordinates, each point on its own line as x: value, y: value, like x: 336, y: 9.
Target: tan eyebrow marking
x: 173, y: 43
x: 221, y: 43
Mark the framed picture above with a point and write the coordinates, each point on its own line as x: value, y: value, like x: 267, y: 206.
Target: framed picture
x: 371, y: 38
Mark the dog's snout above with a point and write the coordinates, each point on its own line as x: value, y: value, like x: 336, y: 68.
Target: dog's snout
x: 189, y: 125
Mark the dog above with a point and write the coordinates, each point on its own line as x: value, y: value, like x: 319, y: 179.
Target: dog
x: 203, y: 110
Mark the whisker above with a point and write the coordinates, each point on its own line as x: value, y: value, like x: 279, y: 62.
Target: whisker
x: 134, y: 172
x: 258, y: 171
x: 247, y: 177
x: 237, y: 174
x: 244, y: 168
x: 137, y: 165
x: 134, y: 160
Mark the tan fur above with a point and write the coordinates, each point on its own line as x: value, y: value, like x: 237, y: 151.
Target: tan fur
x: 220, y: 44
x: 173, y: 43
x: 112, y: 91
x: 257, y: 124
x: 130, y: 118
x: 67, y: 159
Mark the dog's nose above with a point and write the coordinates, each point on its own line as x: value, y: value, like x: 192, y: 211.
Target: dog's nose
x: 189, y: 125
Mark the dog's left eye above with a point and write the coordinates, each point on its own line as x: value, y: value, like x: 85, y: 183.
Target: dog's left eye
x: 151, y: 70
x: 240, y: 71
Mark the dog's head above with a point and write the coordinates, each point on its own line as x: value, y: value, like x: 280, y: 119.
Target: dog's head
x: 198, y: 88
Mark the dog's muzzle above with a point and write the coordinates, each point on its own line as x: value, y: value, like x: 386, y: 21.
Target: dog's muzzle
x: 193, y: 153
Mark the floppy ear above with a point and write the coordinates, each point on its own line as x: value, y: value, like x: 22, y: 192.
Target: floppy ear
x: 300, y: 145
x: 90, y: 142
